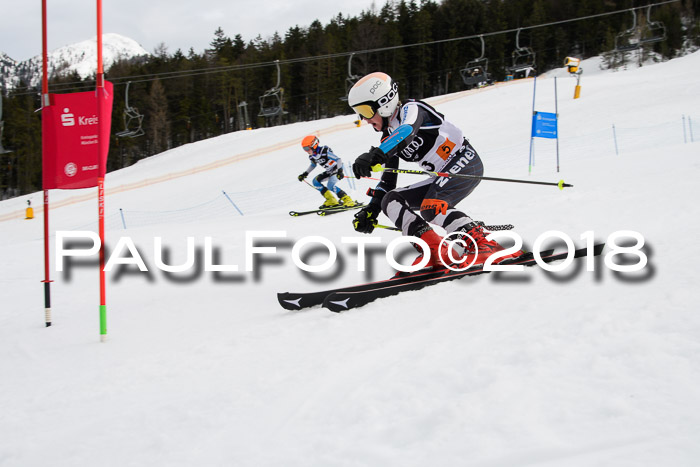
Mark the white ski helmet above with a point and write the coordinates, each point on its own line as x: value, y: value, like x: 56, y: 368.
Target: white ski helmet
x: 374, y: 93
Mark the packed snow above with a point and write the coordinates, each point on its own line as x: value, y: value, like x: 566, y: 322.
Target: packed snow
x: 574, y: 368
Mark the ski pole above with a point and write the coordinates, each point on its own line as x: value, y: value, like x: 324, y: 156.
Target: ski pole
x: 366, y: 178
x: 379, y: 168
x: 487, y: 227
x: 387, y: 227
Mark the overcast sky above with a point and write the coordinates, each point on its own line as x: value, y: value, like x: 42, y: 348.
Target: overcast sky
x: 178, y: 24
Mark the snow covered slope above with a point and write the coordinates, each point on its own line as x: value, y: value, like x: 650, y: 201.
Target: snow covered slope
x: 575, y: 368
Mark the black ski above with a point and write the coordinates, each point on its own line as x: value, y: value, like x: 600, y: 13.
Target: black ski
x: 302, y: 213
x: 336, y: 210
x: 344, y: 300
x: 324, y: 211
x: 298, y: 301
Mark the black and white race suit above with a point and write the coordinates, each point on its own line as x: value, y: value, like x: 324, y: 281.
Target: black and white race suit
x: 436, y: 145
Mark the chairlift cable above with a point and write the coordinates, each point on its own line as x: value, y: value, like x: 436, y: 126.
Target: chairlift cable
x: 184, y: 74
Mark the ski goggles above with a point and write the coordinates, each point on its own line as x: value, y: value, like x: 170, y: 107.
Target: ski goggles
x: 365, y: 111
x: 308, y: 148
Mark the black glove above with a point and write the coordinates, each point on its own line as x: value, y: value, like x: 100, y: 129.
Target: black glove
x: 340, y: 174
x: 366, y: 218
x: 302, y: 176
x: 363, y: 164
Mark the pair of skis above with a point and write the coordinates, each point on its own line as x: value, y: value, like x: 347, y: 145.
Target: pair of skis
x: 327, y: 211
x: 346, y: 298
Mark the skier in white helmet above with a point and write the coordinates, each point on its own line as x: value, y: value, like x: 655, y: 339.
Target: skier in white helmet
x: 437, y: 146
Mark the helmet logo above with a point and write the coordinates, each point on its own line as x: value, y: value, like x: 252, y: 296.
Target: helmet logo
x: 375, y: 86
x: 385, y: 99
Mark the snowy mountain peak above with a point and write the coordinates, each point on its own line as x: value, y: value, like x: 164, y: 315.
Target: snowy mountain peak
x: 4, y: 58
x: 80, y: 58
x: 7, y: 65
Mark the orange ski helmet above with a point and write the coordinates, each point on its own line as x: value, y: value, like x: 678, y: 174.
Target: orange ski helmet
x: 309, y: 142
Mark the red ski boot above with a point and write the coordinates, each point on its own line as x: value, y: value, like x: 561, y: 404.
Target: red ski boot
x: 436, y: 251
x: 474, y: 233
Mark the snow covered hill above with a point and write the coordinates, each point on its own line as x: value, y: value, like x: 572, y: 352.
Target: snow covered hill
x: 574, y: 368
x: 80, y: 57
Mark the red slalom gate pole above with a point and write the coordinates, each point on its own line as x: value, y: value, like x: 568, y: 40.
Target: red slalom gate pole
x: 99, y: 90
x: 45, y: 102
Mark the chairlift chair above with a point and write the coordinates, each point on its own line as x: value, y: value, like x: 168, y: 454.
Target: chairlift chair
x: 628, y: 39
x: 2, y: 149
x: 2, y: 125
x: 133, y: 120
x: 476, y: 71
x: 272, y: 101
x: 350, y: 80
x: 655, y: 31
x: 523, y: 60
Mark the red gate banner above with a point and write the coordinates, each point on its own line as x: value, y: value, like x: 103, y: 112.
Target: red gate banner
x: 71, y: 158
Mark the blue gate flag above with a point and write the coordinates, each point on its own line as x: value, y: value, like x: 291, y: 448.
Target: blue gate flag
x: 544, y: 125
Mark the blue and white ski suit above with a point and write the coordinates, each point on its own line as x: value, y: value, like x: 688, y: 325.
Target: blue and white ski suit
x: 323, y: 156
